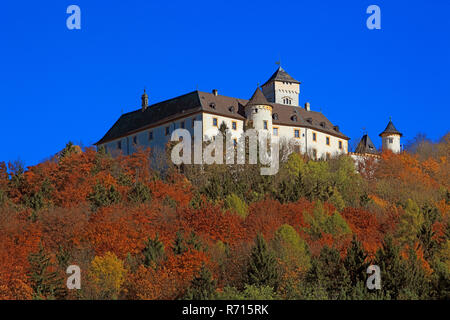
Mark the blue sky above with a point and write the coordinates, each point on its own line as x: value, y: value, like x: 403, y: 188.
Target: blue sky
x: 58, y: 85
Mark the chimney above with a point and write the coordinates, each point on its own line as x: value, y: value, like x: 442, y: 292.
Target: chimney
x: 144, y: 99
x: 215, y: 92
x: 307, y: 106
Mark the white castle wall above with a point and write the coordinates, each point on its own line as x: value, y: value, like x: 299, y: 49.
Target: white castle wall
x: 285, y: 133
x: 159, y: 140
x: 209, y: 130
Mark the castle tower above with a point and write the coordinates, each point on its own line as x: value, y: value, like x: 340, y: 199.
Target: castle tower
x: 282, y: 88
x: 259, y: 111
x: 366, y: 146
x: 391, y: 138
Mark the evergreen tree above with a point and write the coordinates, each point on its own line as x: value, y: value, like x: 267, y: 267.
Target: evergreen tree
x: 102, y: 197
x: 262, y: 268
x: 46, y: 284
x: 417, y: 284
x: 203, y: 286
x: 153, y: 251
x: 140, y: 193
x: 328, y: 274
x: 179, y: 246
x: 426, y: 234
x: 195, y: 242
x: 355, y: 262
x: 392, y: 268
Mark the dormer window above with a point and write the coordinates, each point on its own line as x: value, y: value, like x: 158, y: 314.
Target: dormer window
x: 322, y: 124
x: 294, y: 118
x: 231, y: 109
x: 309, y: 120
x: 275, y: 116
x: 212, y: 105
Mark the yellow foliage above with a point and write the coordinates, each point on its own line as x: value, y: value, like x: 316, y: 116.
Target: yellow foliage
x: 108, y: 274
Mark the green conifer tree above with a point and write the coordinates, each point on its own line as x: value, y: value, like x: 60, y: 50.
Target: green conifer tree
x: 45, y: 283
x: 262, y: 268
x: 179, y: 246
x: 153, y: 252
x: 356, y: 262
x: 203, y: 286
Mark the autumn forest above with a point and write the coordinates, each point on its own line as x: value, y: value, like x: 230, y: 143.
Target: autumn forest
x: 142, y: 230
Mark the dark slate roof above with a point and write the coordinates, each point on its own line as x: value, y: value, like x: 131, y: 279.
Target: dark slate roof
x: 198, y: 101
x: 366, y: 145
x: 258, y: 98
x: 390, y: 129
x: 281, y: 75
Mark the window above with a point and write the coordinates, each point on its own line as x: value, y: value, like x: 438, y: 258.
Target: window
x: 214, y: 122
x: 297, y: 133
x: 265, y: 125
x: 233, y: 125
x: 287, y: 101
x: 275, y: 116
x: 275, y: 131
x: 328, y: 141
x: 235, y: 142
x: 314, y: 136
x: 150, y: 135
x: 391, y: 140
x: 135, y: 139
x: 182, y: 124
x: 119, y: 144
x: 167, y: 130
x: 314, y: 154
x: 340, y: 145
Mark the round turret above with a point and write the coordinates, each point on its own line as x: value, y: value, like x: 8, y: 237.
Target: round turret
x: 258, y: 111
x: 391, y: 138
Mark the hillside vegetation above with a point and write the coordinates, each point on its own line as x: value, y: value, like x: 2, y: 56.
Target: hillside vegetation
x: 226, y: 232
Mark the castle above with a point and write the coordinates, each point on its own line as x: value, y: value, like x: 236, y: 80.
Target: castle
x: 274, y: 108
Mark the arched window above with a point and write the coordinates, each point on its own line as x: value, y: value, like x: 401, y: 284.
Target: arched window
x: 287, y: 100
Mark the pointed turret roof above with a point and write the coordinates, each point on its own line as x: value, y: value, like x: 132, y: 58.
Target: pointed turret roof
x: 258, y: 98
x: 366, y: 145
x: 281, y: 75
x: 390, y: 129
